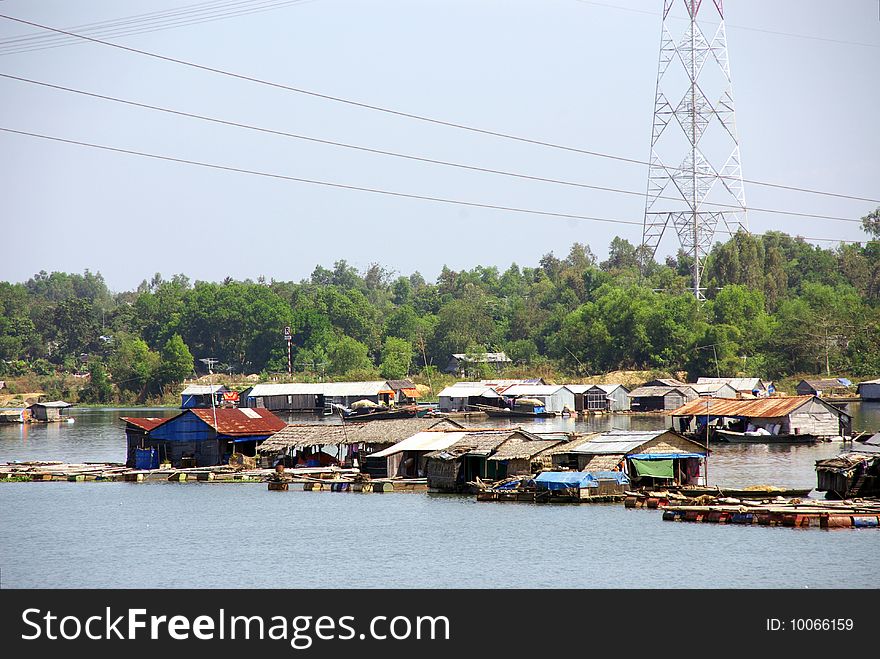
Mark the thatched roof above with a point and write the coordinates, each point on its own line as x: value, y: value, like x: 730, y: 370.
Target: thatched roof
x: 485, y: 442
x: 605, y: 462
x: 390, y: 431
x: 520, y: 448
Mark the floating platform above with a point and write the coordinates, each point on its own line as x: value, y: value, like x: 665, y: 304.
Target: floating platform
x: 811, y: 515
x: 541, y: 497
x: 379, y: 485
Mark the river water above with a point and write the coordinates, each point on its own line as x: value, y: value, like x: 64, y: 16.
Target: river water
x: 162, y: 535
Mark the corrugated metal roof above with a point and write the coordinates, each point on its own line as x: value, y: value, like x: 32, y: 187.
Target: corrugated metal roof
x: 54, y: 404
x: 467, y: 392
x: 520, y: 448
x: 531, y: 389
x: 428, y: 440
x: 740, y: 384
x: 401, y: 384
x: 371, y: 388
x: 608, y: 447
x: 144, y: 422
x: 234, y: 422
x: 372, y: 432
x: 651, y: 392
x: 756, y: 408
x: 608, y: 388
x: 202, y: 389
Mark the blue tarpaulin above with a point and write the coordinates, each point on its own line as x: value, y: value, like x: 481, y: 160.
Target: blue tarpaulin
x: 561, y: 480
x: 146, y: 458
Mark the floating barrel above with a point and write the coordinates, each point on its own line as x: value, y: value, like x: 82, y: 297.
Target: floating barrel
x: 669, y: 515
x: 742, y: 518
x: 653, y: 502
x: 864, y: 521
x: 836, y: 522
x: 278, y: 487
x: 630, y: 502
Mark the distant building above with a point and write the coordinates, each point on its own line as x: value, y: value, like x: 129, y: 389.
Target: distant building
x: 315, y: 396
x: 554, y: 397
x: 600, y: 397
x: 49, y: 411
x: 824, y: 387
x: 462, y: 396
x: 754, y: 386
x: 405, y: 391
x: 460, y: 363
x: 869, y: 390
x: 658, y: 398
x: 202, y: 396
x: 716, y: 390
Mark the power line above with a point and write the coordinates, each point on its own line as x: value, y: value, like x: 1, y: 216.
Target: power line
x: 330, y: 184
x: 399, y: 113
x: 397, y: 154
x: 738, y: 27
x: 129, y: 27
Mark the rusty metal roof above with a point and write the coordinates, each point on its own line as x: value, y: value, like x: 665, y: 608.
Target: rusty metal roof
x: 239, y: 422
x: 757, y: 408
x: 144, y: 422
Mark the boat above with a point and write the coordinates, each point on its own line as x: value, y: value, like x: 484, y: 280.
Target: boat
x: 754, y: 492
x: 506, y: 412
x: 374, y: 413
x: 733, y: 436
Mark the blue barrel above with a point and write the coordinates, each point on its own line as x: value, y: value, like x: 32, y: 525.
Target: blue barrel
x: 864, y: 521
x: 146, y: 458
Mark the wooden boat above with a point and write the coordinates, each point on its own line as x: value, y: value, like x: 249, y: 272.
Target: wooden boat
x: 381, y: 414
x: 740, y: 493
x: 506, y: 412
x: 733, y: 436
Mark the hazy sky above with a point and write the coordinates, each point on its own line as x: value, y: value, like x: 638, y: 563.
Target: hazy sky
x: 572, y: 72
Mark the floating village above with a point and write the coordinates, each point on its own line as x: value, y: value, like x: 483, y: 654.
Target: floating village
x: 378, y: 437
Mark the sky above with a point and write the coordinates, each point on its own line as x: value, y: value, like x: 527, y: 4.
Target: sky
x: 570, y: 72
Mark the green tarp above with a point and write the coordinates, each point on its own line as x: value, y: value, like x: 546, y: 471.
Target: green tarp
x: 655, y: 468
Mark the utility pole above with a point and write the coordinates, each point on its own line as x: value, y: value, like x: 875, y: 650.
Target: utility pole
x: 288, y: 337
x: 699, y: 166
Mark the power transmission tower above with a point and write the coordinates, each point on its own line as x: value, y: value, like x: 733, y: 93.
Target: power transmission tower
x: 694, y: 145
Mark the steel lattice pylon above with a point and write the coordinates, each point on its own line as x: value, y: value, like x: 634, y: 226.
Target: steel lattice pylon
x: 694, y: 182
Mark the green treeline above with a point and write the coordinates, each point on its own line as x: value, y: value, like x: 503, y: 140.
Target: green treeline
x: 776, y: 306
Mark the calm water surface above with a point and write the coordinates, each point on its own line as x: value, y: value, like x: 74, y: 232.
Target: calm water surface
x: 240, y: 535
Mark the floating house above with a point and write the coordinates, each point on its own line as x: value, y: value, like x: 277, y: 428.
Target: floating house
x: 775, y: 417
x: 321, y: 444
x: 49, y: 411
x: 849, y: 475
x: 406, y: 458
x: 580, y: 485
x: 869, y: 389
x: 18, y: 415
x: 600, y: 397
x: 463, y: 396
x: 405, y: 392
x: 451, y: 469
x: 647, y: 457
x: 461, y: 363
x: 142, y: 454
x: 202, y: 396
x: 202, y: 437
x: 662, y: 397
x: 716, y: 390
x: 824, y: 387
x: 553, y: 397
x: 315, y: 397
x: 748, y: 386
x: 523, y: 455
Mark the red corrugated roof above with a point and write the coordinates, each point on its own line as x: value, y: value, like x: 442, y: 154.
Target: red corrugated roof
x: 758, y: 407
x: 144, y: 422
x: 236, y: 422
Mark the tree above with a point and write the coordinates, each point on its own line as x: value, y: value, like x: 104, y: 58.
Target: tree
x: 348, y: 354
x: 99, y: 389
x: 622, y: 254
x: 397, y: 355
x: 134, y: 365
x: 177, y: 362
x: 871, y: 223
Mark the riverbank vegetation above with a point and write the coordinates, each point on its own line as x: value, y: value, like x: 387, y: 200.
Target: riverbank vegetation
x: 777, y: 306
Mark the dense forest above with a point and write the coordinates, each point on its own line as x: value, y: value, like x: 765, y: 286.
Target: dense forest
x: 777, y: 305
